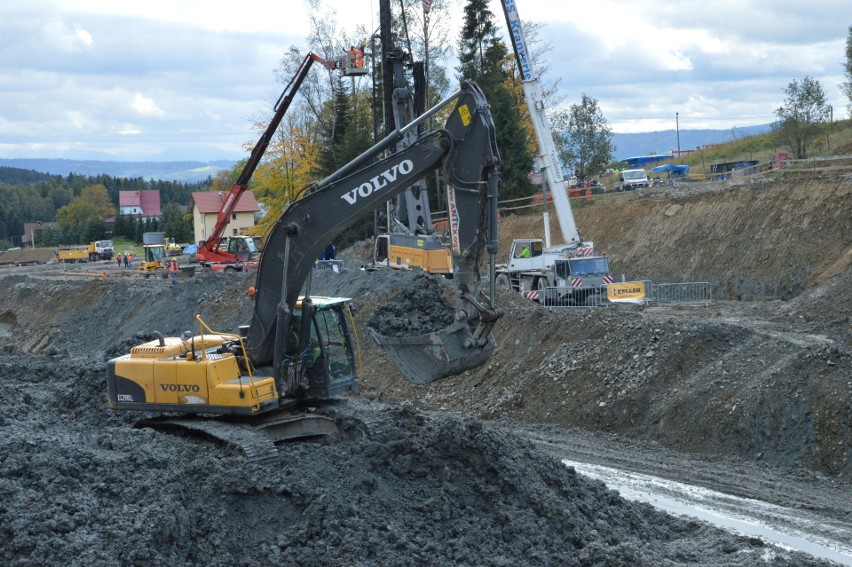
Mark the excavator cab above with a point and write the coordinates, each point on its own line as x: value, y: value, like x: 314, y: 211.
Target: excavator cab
x: 208, y: 373
x: 322, y: 351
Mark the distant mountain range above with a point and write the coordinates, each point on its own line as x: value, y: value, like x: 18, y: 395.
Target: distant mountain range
x: 182, y: 171
x: 626, y: 145
x: 664, y: 141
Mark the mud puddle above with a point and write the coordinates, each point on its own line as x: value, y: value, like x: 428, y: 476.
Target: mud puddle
x: 778, y: 525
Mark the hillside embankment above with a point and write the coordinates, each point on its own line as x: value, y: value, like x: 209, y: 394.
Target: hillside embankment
x: 763, y: 372
x: 764, y: 238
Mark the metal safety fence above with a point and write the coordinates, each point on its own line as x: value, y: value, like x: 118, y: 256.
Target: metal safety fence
x: 685, y: 293
x: 694, y: 293
x: 334, y: 265
x: 570, y: 297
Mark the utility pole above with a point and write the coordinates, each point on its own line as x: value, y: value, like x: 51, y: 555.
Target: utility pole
x: 831, y: 121
x: 427, y: 6
x: 677, y: 128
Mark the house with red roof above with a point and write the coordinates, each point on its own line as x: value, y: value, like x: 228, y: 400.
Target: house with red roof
x: 144, y: 204
x: 206, y: 205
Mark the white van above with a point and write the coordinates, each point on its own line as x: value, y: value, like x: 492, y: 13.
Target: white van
x: 630, y: 179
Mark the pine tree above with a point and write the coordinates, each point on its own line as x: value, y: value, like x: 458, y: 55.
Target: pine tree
x: 484, y: 59
x: 333, y: 134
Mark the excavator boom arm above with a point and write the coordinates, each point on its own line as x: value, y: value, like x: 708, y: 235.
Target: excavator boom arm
x: 467, y: 148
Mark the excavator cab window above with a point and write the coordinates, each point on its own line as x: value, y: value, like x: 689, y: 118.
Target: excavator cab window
x: 292, y: 342
x: 381, y: 252
x: 155, y: 253
x: 336, y: 342
x: 242, y: 247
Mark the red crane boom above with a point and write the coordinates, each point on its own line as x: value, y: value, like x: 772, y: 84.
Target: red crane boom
x: 209, y: 251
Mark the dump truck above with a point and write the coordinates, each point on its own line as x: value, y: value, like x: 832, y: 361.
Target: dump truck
x: 100, y: 250
x: 72, y: 255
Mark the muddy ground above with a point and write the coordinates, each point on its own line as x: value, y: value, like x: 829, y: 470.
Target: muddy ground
x: 750, y: 395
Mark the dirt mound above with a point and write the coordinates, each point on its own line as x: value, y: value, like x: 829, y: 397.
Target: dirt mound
x: 81, y: 486
x: 420, y: 308
x: 24, y: 256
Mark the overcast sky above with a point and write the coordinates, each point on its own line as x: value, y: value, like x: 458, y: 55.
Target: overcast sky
x: 166, y: 79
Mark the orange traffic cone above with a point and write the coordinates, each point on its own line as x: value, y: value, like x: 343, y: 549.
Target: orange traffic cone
x: 103, y: 274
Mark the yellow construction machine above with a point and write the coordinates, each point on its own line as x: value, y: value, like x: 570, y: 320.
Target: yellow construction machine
x: 302, y: 347
x: 154, y: 260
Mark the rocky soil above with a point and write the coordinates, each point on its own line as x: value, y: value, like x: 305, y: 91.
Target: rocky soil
x: 750, y: 394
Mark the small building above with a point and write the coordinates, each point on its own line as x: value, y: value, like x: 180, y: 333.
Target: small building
x: 141, y: 204
x: 31, y: 230
x: 205, y: 206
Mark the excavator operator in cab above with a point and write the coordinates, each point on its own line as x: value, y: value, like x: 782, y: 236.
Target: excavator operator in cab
x: 292, y: 345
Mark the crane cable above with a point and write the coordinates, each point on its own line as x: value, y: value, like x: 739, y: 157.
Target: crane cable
x: 405, y: 29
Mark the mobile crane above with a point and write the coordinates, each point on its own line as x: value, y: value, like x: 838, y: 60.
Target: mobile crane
x: 533, y: 266
x: 241, y: 252
x: 302, y: 347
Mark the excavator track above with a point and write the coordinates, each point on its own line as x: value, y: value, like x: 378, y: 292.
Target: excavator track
x: 255, y: 438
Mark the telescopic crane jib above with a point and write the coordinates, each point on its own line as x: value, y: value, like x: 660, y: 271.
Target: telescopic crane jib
x: 548, y: 158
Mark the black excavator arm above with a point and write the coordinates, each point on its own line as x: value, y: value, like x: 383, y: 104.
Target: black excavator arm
x: 466, y: 148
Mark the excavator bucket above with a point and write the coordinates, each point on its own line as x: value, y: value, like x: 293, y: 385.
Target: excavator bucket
x: 423, y: 359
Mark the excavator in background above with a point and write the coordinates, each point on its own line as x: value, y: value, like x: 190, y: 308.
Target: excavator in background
x: 238, y: 252
x: 302, y: 347
x: 534, y: 267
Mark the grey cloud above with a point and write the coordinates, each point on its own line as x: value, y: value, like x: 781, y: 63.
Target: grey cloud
x: 66, y: 97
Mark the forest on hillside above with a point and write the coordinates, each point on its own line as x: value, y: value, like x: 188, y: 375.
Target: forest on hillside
x: 79, y: 203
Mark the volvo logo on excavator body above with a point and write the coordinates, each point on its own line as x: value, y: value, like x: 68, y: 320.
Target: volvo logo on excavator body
x: 180, y: 387
x: 378, y: 182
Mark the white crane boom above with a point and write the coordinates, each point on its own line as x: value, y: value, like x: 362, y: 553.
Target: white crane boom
x: 548, y: 159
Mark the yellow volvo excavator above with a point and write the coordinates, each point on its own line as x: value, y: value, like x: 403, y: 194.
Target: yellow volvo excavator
x: 303, y: 347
